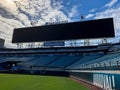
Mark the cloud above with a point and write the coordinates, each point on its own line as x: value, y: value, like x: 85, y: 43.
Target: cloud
x: 73, y: 12
x: 17, y: 14
x: 57, y: 4
x: 89, y: 16
x: 68, y: 3
x: 6, y: 29
x: 111, y: 3
x: 93, y: 10
x: 8, y: 5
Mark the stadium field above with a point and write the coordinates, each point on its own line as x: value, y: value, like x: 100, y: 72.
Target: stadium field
x: 36, y: 82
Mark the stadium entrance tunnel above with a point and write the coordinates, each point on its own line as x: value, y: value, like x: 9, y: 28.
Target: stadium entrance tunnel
x: 8, y: 65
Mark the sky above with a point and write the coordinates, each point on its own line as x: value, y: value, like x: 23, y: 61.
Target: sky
x: 28, y: 13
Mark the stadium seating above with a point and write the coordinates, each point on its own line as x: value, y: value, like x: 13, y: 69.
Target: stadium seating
x: 79, y: 61
x: 1, y: 67
x: 106, y: 62
x: 4, y: 59
x: 94, y: 61
x: 83, y: 60
x: 42, y: 60
x: 64, y: 61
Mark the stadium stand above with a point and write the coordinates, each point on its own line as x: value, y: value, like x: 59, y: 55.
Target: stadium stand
x: 95, y: 60
x: 89, y: 63
x: 101, y: 63
x: 85, y: 59
x: 64, y: 61
x: 41, y: 60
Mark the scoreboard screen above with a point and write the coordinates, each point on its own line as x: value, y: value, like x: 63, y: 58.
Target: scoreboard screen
x: 101, y: 28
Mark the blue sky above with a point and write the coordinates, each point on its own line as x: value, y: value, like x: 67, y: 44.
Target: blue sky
x: 20, y: 13
x: 83, y: 5
x: 86, y: 7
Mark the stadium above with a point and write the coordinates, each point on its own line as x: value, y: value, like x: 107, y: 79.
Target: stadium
x: 95, y: 66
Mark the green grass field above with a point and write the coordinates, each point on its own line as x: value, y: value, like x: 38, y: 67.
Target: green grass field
x: 34, y: 82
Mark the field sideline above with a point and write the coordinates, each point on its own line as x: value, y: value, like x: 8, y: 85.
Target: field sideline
x: 35, y: 82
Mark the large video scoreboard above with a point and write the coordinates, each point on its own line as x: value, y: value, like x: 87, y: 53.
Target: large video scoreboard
x: 93, y: 29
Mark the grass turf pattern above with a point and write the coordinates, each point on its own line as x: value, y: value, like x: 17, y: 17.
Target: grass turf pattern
x: 36, y: 82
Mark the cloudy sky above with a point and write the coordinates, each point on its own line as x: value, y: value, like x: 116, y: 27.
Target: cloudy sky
x: 21, y: 13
